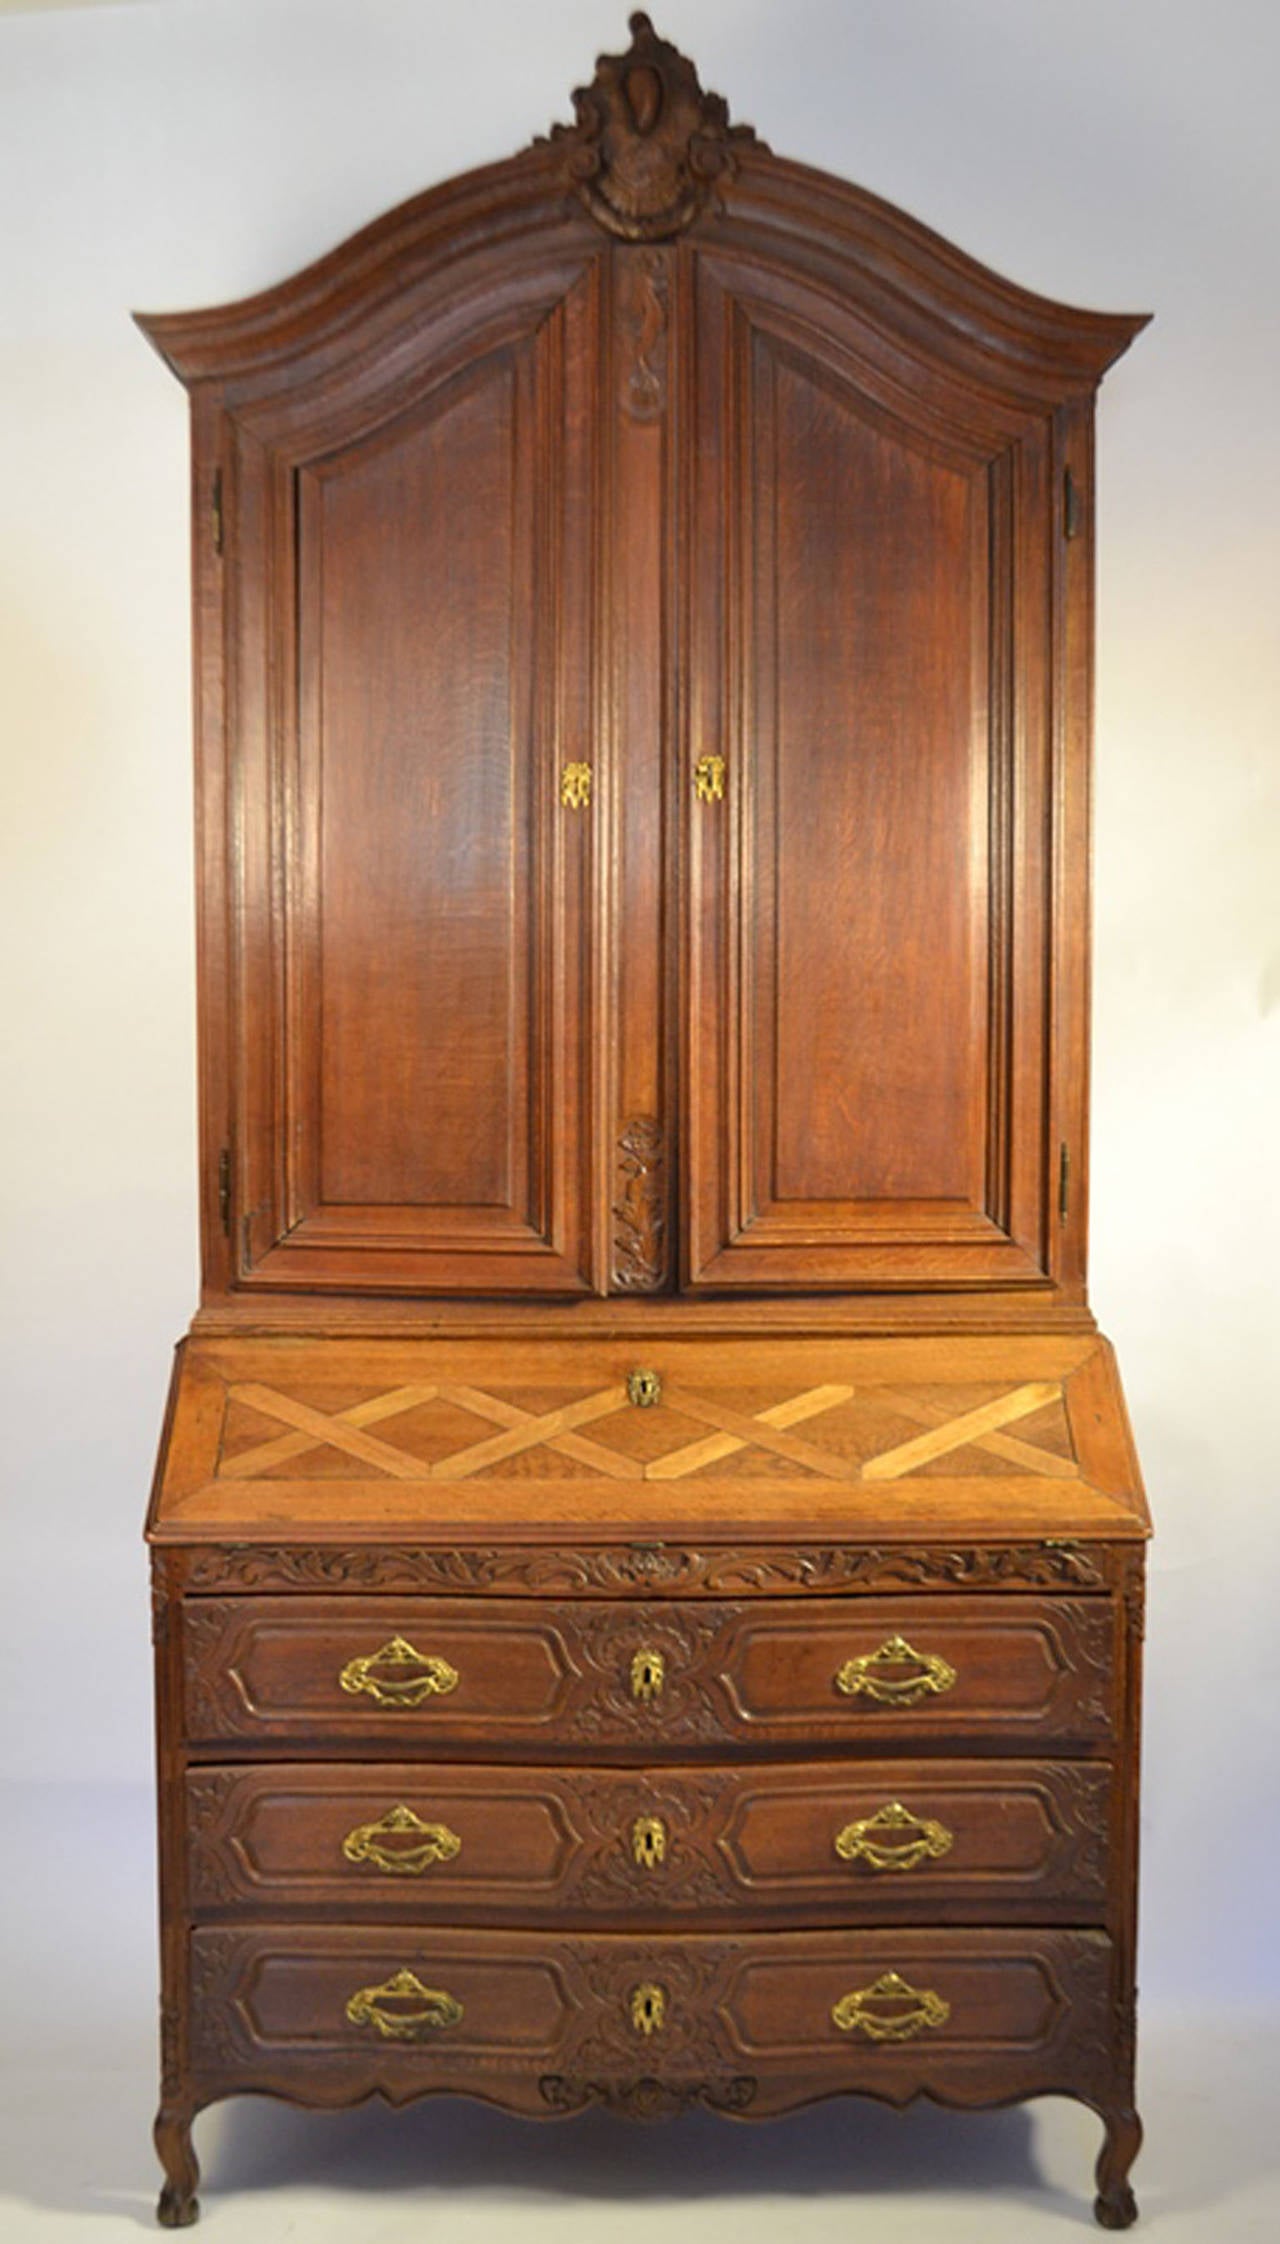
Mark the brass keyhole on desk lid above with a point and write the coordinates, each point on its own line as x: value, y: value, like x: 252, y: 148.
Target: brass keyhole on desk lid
x: 644, y: 1389
x: 648, y: 1673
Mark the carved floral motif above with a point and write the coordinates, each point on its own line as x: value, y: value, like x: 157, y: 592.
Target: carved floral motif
x: 642, y: 1569
x: 639, y: 1215
x: 644, y: 394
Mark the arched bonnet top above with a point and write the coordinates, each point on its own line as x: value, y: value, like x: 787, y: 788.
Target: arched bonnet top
x: 651, y: 157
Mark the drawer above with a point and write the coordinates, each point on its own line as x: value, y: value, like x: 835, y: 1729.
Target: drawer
x: 989, y: 1841
x: 751, y: 2023
x: 474, y: 1674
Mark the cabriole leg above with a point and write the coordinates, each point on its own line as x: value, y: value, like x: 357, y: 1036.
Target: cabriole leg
x: 179, y: 2205
x: 1115, y: 2205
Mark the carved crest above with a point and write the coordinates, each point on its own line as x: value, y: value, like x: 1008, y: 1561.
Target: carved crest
x: 648, y: 145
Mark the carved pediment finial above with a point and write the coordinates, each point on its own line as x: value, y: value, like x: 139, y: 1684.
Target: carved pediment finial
x: 648, y: 146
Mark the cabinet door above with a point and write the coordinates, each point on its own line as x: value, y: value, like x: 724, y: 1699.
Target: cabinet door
x: 870, y: 618
x: 411, y: 615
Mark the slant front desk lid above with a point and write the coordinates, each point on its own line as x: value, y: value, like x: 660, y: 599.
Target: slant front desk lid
x: 323, y: 1440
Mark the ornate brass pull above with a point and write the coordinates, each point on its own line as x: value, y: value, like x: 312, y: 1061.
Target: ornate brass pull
x: 852, y: 2013
x: 870, y: 1674
x: 859, y: 1842
x: 649, y: 1841
x: 435, y: 1843
x: 385, y: 1675
x: 708, y: 779
x: 575, y: 786
x: 648, y: 1674
x: 376, y: 2006
x: 644, y: 1389
x: 648, y: 2008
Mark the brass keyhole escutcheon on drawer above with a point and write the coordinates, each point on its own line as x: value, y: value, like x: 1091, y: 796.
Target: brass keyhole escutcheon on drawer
x: 401, y: 1844
x: 891, y: 2010
x: 644, y: 1389
x: 648, y: 2007
x: 403, y: 2009
x: 649, y: 1841
x: 648, y: 1674
x: 397, y: 1675
x: 880, y: 1675
x: 893, y: 1839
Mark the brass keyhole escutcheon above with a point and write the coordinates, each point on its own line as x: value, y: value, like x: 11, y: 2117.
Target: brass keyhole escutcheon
x: 644, y: 1389
x: 649, y: 1841
x: 708, y: 779
x: 575, y: 786
x: 648, y: 2007
x: 648, y: 1673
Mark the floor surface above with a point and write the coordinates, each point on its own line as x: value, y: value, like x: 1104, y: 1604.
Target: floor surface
x: 77, y: 2073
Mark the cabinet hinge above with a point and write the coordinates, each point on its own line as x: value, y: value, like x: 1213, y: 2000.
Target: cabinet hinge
x: 1064, y: 1183
x: 224, y: 1190
x: 215, y: 510
x: 1072, y: 505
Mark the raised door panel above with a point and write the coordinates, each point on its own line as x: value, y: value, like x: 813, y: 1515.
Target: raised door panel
x: 414, y: 961
x: 870, y: 614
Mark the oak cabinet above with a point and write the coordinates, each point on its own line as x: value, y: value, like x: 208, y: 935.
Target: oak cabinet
x: 644, y: 1451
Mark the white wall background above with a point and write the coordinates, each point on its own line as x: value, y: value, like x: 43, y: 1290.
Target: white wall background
x: 1116, y: 153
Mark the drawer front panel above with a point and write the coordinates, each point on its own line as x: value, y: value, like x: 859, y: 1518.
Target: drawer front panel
x: 753, y: 2023
x: 412, y: 1841
x: 648, y: 1679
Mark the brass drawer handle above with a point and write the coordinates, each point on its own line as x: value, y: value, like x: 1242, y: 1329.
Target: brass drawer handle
x: 863, y: 1842
x: 382, y: 1674
x: 648, y: 1674
x: 852, y: 2013
x: 648, y: 2008
x: 869, y: 1675
x: 433, y: 2008
x: 435, y: 1843
x: 649, y: 1841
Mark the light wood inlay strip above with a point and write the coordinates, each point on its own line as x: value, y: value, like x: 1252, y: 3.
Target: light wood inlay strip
x: 250, y: 1462
x: 1024, y: 1453
x: 534, y: 1430
x: 678, y: 1462
x: 892, y: 1463
x: 577, y: 1446
x: 749, y: 1430
x: 331, y: 1430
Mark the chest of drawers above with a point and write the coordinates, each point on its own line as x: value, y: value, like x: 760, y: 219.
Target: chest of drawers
x: 705, y: 1795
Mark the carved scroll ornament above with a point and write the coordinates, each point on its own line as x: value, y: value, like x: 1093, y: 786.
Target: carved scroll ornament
x: 648, y: 146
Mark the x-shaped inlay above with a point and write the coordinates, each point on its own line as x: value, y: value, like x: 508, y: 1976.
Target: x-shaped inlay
x: 557, y: 1429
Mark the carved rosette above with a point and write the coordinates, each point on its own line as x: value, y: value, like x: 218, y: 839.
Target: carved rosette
x: 639, y: 1215
x: 648, y: 148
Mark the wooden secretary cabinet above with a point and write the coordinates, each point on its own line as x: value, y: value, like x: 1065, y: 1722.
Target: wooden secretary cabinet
x: 648, y: 1550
